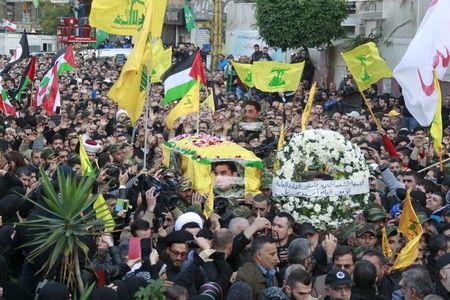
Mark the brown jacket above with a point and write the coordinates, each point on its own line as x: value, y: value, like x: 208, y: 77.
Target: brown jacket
x: 251, y: 274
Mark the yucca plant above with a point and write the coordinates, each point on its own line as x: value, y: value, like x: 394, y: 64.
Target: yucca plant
x: 67, y: 217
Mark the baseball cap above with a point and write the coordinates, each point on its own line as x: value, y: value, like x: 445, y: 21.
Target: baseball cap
x: 353, y: 114
x: 115, y: 148
x: 393, y: 113
x: 47, y: 153
x: 365, y: 228
x: 337, y: 277
x: 184, y: 184
x: 376, y: 213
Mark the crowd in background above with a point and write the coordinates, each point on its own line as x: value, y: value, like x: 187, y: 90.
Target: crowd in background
x: 248, y: 249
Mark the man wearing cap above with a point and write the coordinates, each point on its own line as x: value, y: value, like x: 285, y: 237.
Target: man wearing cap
x: 442, y: 286
x: 116, y: 152
x: 366, y: 235
x: 376, y: 216
x: 185, y: 192
x: 338, y: 285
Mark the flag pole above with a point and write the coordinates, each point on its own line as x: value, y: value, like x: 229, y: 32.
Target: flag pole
x: 147, y: 111
x: 370, y: 110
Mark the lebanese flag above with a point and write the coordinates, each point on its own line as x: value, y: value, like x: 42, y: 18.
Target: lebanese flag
x: 5, y: 104
x: 48, y: 94
x: 27, y: 78
x: 11, y: 26
x: 181, y: 77
x: 429, y: 51
x: 22, y: 52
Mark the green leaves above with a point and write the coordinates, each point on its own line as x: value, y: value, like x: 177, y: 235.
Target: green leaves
x: 296, y: 23
x: 66, y: 217
x: 50, y: 14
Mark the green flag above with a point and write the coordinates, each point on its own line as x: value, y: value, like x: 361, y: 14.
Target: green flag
x: 100, y: 36
x: 190, y: 19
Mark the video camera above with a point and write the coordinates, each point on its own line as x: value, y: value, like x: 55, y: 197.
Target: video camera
x: 167, y: 190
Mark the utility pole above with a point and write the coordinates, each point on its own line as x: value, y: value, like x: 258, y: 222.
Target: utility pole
x: 216, y: 34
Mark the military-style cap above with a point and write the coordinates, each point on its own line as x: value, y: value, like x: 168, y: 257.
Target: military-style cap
x: 115, y: 148
x: 47, y: 153
x: 365, y: 228
x: 184, y: 184
x: 376, y: 213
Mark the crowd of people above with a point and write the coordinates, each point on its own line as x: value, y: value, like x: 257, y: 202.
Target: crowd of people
x: 248, y: 248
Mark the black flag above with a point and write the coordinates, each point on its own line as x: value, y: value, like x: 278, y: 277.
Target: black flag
x: 22, y: 52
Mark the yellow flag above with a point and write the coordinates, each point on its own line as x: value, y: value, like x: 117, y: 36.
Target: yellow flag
x: 280, y: 146
x: 102, y: 212
x: 436, y: 126
x: 86, y: 165
x: 161, y: 62
x: 366, y: 65
x: 190, y: 103
x: 408, y: 254
x: 130, y: 89
x: 387, y: 250
x: 209, y: 101
x: 209, y: 204
x: 125, y: 17
x: 409, y: 222
x: 307, y: 110
x: 274, y: 76
x: 245, y: 73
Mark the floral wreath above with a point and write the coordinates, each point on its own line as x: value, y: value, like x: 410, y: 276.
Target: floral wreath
x: 326, y: 153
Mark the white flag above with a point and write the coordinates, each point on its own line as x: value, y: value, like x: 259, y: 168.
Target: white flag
x: 428, y: 51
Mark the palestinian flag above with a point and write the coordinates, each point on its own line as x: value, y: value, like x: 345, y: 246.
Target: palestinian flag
x: 48, y: 93
x: 22, y: 52
x: 181, y: 77
x: 5, y: 105
x: 27, y: 78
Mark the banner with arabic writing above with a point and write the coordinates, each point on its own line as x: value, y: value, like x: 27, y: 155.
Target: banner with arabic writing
x: 122, y: 17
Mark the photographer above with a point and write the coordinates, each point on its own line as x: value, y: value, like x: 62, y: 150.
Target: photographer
x: 209, y: 265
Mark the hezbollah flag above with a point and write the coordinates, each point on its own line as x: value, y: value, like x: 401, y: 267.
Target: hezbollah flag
x: 189, y: 104
x: 161, y: 62
x: 130, y: 89
x: 385, y: 247
x: 101, y: 208
x: 366, y: 65
x: 411, y: 228
x: 409, y: 222
x: 245, y: 73
x: 436, y: 125
x: 274, y: 76
x: 27, y: 78
x: 119, y: 16
x: 209, y: 101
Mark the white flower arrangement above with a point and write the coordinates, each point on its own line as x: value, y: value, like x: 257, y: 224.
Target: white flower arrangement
x: 316, y: 152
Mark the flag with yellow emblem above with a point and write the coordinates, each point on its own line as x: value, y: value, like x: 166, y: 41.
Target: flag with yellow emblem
x: 130, y: 90
x: 190, y: 103
x: 366, y: 65
x: 209, y: 204
x: 275, y: 77
x: 209, y: 101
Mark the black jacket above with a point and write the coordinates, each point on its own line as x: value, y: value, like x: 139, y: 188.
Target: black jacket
x: 365, y: 293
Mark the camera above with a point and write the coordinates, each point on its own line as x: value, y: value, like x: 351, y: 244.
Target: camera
x: 166, y: 189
